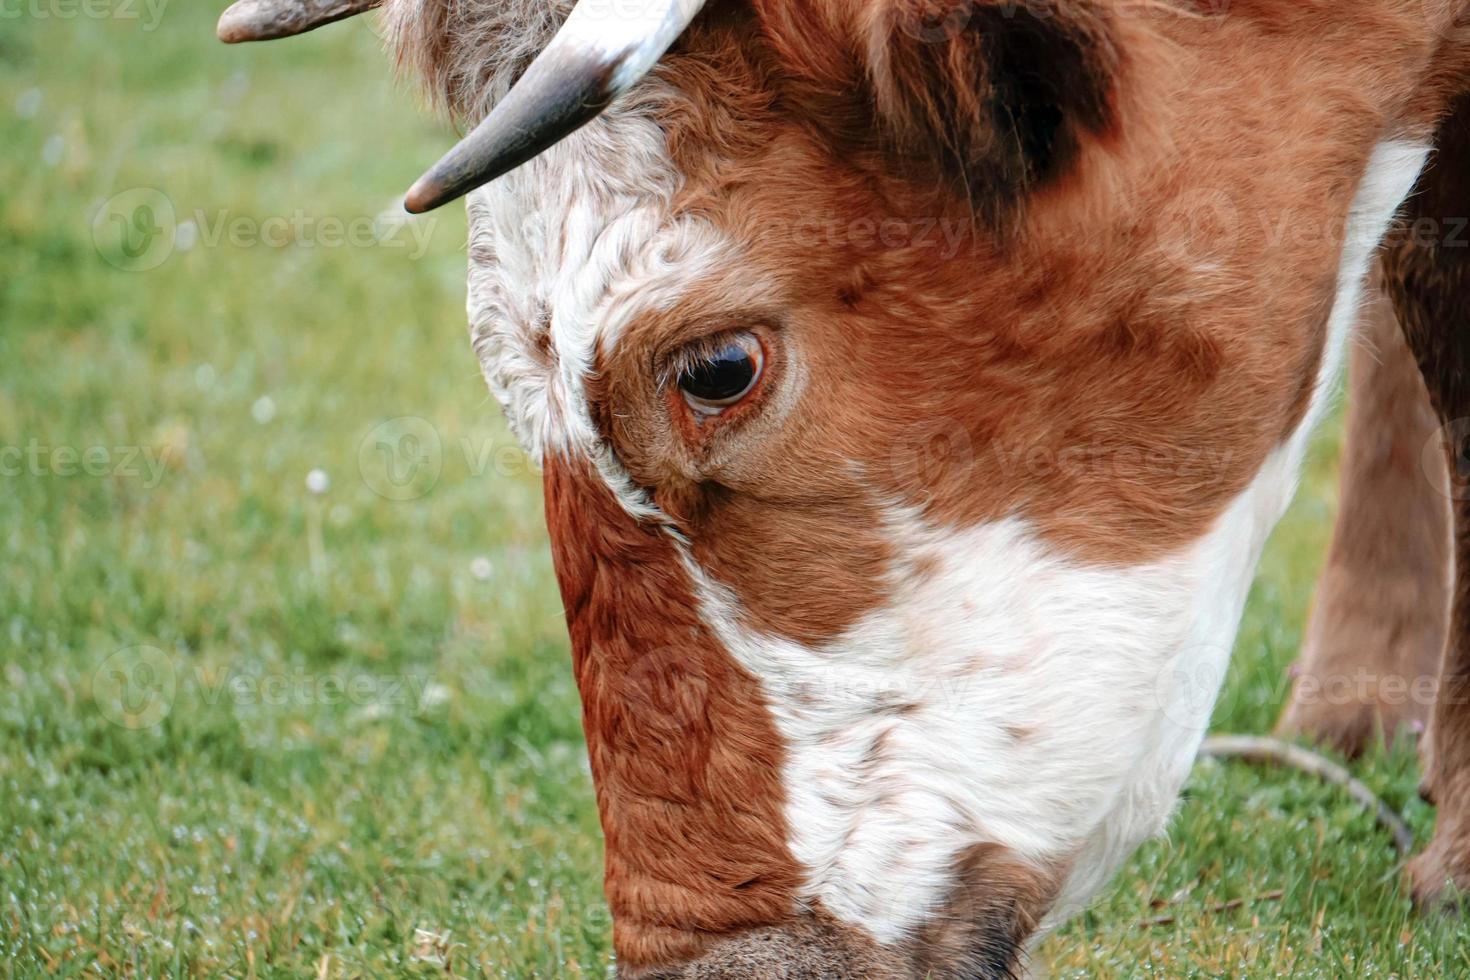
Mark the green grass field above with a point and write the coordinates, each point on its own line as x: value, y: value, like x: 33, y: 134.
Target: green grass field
x: 248, y: 729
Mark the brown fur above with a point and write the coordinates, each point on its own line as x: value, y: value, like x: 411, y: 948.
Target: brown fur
x: 686, y: 764
x: 1377, y: 627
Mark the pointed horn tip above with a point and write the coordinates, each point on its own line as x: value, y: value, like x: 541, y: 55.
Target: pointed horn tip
x: 247, y: 20
x: 270, y: 20
x: 232, y: 30
x: 424, y: 196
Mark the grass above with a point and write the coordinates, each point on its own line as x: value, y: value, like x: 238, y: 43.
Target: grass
x: 251, y: 730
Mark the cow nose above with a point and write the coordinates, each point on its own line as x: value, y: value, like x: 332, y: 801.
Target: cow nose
x: 980, y: 930
x: 809, y: 948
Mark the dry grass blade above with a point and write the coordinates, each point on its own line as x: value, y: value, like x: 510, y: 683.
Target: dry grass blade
x: 1226, y: 906
x: 1258, y: 748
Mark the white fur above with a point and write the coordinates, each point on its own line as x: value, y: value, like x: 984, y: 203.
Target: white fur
x: 1392, y: 171
x: 1009, y: 694
x: 564, y: 253
x: 1006, y: 694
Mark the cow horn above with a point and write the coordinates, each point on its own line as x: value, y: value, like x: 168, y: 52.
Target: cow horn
x: 599, y: 53
x: 266, y: 20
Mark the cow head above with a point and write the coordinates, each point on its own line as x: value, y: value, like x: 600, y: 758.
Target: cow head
x: 915, y: 384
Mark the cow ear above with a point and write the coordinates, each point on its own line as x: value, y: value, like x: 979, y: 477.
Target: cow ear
x: 992, y: 97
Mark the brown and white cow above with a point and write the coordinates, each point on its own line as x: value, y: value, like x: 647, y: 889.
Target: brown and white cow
x: 855, y: 708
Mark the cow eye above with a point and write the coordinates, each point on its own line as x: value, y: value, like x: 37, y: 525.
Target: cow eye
x: 721, y: 374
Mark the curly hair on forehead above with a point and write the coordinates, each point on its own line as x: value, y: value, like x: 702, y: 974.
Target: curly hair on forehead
x: 987, y: 98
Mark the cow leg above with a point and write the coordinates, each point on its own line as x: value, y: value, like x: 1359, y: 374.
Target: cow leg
x: 1377, y: 626
x: 1428, y: 278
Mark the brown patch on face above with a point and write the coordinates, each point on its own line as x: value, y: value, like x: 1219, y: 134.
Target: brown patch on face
x: 807, y: 576
x: 806, y: 573
x: 1114, y: 372
x: 996, y: 905
x: 684, y: 756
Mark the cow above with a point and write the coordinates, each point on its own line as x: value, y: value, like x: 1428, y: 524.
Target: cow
x: 915, y: 384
